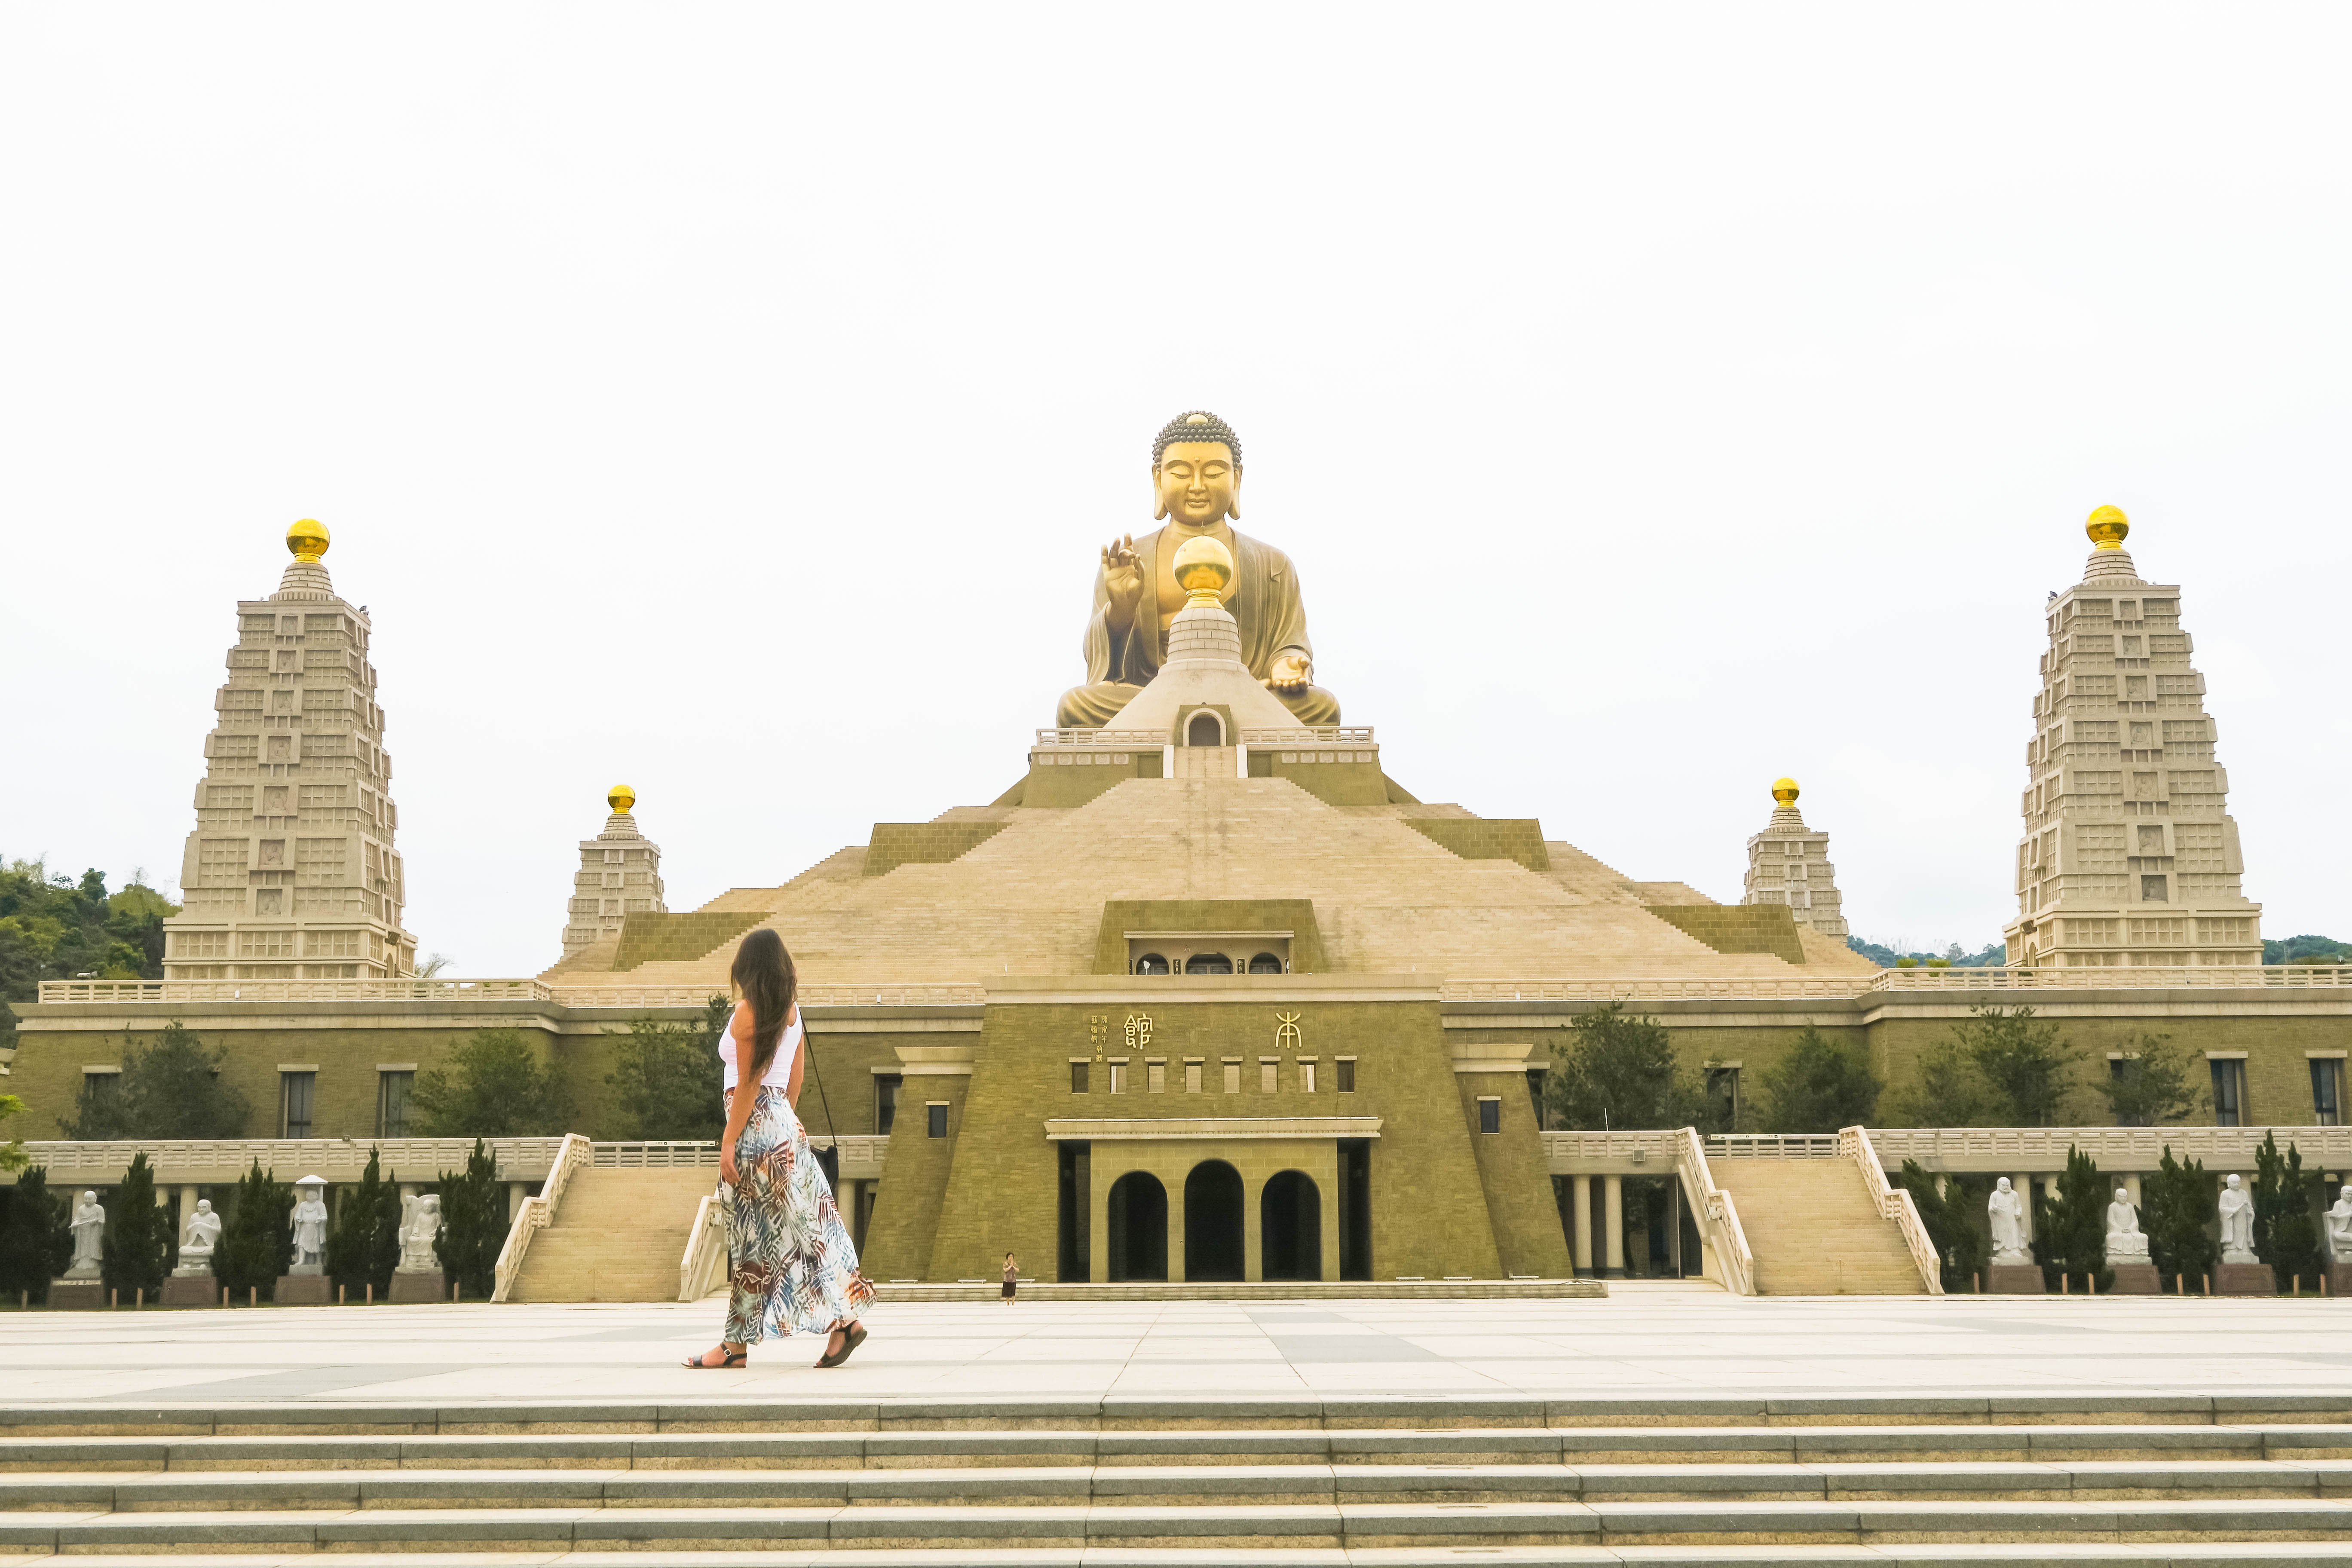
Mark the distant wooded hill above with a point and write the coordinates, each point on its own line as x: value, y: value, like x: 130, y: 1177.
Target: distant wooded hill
x: 2292, y: 950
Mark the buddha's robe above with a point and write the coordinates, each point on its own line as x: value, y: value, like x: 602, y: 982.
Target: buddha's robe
x: 1264, y: 605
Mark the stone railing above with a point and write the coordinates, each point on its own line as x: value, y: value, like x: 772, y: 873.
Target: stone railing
x: 1609, y: 1153
x: 1717, y: 1216
x: 1127, y: 740
x: 2036, y: 1150
x: 1774, y: 1145
x: 215, y: 1161
x: 194, y: 991
x: 1895, y: 1204
x: 1310, y: 735
x: 2278, y: 977
x: 1652, y: 989
x: 652, y: 996
x: 537, y: 1213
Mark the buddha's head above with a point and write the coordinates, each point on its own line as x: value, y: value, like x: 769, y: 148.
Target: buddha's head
x: 1196, y: 470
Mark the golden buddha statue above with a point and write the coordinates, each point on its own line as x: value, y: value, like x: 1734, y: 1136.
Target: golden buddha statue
x: 1196, y: 475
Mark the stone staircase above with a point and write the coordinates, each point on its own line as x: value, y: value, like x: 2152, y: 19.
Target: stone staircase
x: 1814, y: 1231
x: 2090, y: 1479
x: 617, y: 1235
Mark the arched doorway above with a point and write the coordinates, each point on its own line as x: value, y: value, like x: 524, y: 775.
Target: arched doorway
x: 1290, y: 1227
x: 1138, y: 1222
x: 1212, y: 1222
x: 1204, y: 729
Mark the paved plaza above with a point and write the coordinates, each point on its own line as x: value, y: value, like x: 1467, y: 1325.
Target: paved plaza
x: 1658, y: 1341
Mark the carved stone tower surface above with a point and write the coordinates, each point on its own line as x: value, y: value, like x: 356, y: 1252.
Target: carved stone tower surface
x: 290, y: 873
x: 1787, y: 863
x: 620, y: 875
x: 2128, y: 855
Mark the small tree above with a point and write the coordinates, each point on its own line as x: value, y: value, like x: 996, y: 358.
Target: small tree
x: 2285, y: 1235
x: 1620, y: 1071
x: 2000, y: 1068
x: 364, y: 1247
x: 1820, y: 1086
x: 35, y: 1243
x: 473, y: 1225
x: 256, y: 1239
x: 169, y: 1088
x: 2070, y: 1230
x: 492, y: 1085
x: 1955, y: 1223
x: 137, y: 1249
x: 2175, y: 1205
x: 2152, y: 1084
x: 11, y: 1154
x: 666, y: 1076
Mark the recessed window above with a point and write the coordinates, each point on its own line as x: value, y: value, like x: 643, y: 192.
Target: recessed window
x: 1077, y: 1077
x: 1266, y: 964
x: 1118, y: 1077
x: 1155, y: 1077
x: 938, y: 1118
x: 1345, y: 1075
x: 1269, y: 1071
x: 1151, y: 964
x: 2152, y: 891
x: 2327, y: 1090
x: 1306, y: 1077
x: 297, y: 1090
x: 391, y: 1103
x: 1233, y: 1075
x: 1191, y: 1078
x: 886, y: 1101
x: 1490, y: 1113
x: 1208, y: 963
x: 2228, y: 1092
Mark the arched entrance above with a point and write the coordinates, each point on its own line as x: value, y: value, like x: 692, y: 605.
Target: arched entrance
x: 1290, y: 1226
x: 1204, y: 729
x: 1138, y: 1222
x: 1212, y: 1222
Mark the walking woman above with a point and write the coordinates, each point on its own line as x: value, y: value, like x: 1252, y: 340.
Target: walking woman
x: 795, y: 1268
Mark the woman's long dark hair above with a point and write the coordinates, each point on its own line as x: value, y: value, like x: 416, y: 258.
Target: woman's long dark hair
x: 763, y: 973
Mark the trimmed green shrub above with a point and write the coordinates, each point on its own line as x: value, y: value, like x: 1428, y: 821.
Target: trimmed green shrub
x: 2176, y: 1206
x: 2285, y: 1236
x: 473, y: 1225
x: 1955, y: 1223
x: 35, y: 1243
x: 136, y: 1252
x: 364, y: 1247
x: 256, y: 1239
x: 2070, y: 1230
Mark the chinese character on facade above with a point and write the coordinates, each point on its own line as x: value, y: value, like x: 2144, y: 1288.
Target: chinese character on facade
x: 1285, y: 1031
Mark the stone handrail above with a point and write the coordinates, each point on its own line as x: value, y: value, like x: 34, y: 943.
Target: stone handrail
x: 537, y: 1213
x: 2278, y: 977
x: 1776, y: 1145
x: 1650, y: 988
x: 814, y: 995
x: 703, y: 1267
x: 1622, y: 1151
x: 1717, y: 1216
x: 205, y: 1162
x: 1895, y: 1204
x: 191, y: 991
x: 1132, y: 740
x: 1311, y: 735
x: 2034, y: 1150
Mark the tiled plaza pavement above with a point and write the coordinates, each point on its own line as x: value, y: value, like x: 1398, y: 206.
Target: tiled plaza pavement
x: 1659, y: 1341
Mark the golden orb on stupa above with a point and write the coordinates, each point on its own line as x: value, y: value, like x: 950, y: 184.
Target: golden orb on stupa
x: 621, y: 799
x: 1784, y: 790
x: 307, y: 539
x: 1202, y: 569
x: 2108, y: 527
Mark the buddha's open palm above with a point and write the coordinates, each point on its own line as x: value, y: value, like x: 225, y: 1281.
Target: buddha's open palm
x: 1290, y: 672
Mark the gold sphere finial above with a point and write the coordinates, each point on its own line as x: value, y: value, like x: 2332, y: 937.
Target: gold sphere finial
x: 2108, y: 527
x: 620, y: 798
x: 1203, y: 568
x: 1784, y: 790
x: 307, y: 539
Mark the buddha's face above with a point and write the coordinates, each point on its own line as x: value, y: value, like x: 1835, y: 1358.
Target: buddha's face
x: 1199, y: 482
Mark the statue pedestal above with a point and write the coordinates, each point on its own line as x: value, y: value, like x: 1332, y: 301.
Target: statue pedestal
x: 2135, y: 1279
x: 2245, y: 1279
x: 190, y: 1290
x: 2013, y: 1280
x: 407, y: 1290
x: 76, y: 1296
x: 305, y: 1290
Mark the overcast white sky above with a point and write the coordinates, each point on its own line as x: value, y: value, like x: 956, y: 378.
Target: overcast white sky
x: 732, y: 400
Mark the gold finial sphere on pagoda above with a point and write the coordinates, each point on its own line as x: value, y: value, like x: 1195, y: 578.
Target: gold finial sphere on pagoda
x: 1784, y: 790
x: 620, y: 798
x: 1202, y: 569
x: 2108, y: 527
x: 307, y: 539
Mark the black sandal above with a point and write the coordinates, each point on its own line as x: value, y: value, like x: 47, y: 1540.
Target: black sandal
x: 851, y: 1338
x: 733, y: 1358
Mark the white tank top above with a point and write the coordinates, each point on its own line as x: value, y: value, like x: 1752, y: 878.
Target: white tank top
x: 780, y: 1071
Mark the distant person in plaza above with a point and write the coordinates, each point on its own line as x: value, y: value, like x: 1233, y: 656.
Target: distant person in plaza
x: 1011, y: 1277
x: 795, y: 1268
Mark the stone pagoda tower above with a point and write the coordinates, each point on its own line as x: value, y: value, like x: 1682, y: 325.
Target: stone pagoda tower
x: 290, y: 873
x: 2128, y: 855
x: 1789, y: 864
x: 620, y: 875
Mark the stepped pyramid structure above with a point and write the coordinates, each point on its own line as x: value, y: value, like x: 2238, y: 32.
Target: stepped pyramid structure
x: 619, y: 875
x: 2130, y: 854
x: 1790, y: 864
x: 291, y: 873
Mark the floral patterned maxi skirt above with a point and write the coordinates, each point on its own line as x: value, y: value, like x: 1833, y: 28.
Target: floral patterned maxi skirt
x: 794, y: 1269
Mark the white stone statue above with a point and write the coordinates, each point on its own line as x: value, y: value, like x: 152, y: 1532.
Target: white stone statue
x: 2237, y: 1224
x: 2007, y: 1215
x: 89, y: 1233
x: 2340, y: 1226
x: 309, y: 1227
x: 420, y: 1223
x: 2126, y: 1242
x: 197, y: 1243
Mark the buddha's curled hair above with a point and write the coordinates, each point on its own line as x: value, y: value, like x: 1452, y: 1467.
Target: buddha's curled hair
x: 1198, y: 425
